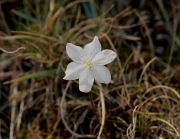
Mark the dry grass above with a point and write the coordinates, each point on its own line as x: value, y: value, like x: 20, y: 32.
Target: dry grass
x: 143, y: 98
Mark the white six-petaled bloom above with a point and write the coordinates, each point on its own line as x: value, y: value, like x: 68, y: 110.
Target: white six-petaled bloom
x: 88, y: 64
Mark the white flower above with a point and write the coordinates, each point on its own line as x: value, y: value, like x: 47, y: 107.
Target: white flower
x: 88, y: 64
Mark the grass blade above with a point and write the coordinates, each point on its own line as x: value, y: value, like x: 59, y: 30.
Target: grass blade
x: 34, y: 75
x: 26, y: 17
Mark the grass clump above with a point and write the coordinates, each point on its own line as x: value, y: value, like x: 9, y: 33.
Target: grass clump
x: 142, y: 100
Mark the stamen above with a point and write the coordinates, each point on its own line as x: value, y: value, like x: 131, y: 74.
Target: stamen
x: 89, y: 63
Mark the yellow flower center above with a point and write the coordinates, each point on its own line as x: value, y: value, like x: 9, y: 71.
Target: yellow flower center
x: 89, y: 63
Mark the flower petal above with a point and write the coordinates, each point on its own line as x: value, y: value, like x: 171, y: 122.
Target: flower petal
x: 86, y: 80
x: 104, y: 57
x: 73, y: 71
x: 92, y: 48
x: 76, y: 53
x: 101, y: 74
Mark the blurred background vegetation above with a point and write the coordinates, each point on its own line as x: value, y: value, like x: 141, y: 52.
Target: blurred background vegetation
x: 142, y: 100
